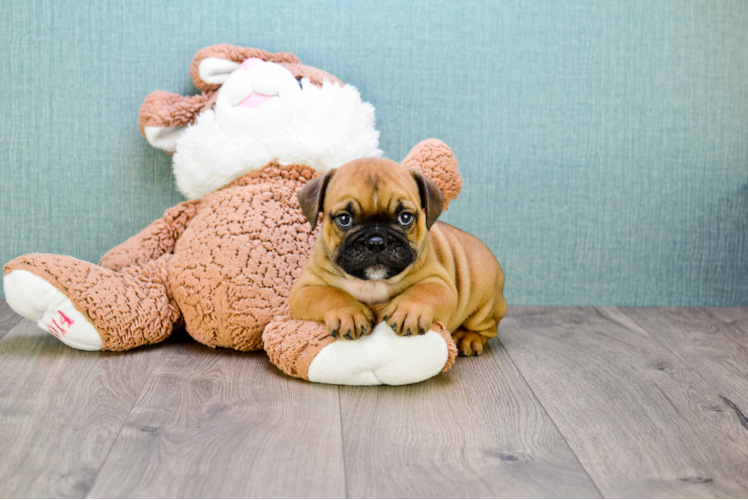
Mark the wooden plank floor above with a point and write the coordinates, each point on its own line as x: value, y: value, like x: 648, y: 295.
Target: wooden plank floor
x: 8, y: 319
x: 566, y: 402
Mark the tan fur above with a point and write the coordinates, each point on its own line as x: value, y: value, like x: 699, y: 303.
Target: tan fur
x: 455, y: 278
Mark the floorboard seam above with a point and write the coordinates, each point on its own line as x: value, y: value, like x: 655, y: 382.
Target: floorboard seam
x: 622, y: 310
x: 124, y: 422
x: 93, y: 483
x: 718, y: 391
x: 566, y: 441
x: 12, y: 325
x: 725, y: 324
x: 342, y: 445
x: 3, y: 334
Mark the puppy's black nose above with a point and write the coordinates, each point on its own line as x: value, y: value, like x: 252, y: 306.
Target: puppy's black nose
x: 376, y: 242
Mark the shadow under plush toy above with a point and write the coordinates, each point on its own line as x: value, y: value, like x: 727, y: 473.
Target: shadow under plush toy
x: 223, y: 263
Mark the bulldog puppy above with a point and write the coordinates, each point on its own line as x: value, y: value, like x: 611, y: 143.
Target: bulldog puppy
x: 380, y: 243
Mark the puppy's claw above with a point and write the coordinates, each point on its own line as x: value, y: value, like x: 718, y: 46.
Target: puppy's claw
x: 409, y: 318
x: 349, y: 322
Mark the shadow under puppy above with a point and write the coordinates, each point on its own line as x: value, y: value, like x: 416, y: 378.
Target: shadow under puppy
x: 380, y: 243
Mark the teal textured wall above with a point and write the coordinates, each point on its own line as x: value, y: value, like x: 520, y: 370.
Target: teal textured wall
x: 603, y: 144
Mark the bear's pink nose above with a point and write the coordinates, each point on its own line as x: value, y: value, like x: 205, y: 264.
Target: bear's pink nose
x: 252, y: 62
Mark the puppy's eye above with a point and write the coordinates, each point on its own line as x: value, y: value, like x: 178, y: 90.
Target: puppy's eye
x: 344, y: 221
x: 405, y: 219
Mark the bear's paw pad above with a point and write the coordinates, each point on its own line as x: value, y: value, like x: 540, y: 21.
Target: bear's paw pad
x: 37, y: 300
x: 380, y: 358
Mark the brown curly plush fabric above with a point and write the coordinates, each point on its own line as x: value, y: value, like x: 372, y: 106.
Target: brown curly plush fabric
x: 157, y: 239
x: 259, y: 240
x: 292, y: 344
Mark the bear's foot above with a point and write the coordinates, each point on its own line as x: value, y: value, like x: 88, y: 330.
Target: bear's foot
x: 303, y: 349
x: 89, y: 307
x: 37, y: 300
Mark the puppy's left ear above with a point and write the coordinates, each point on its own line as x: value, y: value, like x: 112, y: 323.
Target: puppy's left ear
x: 312, y: 197
x: 432, y: 198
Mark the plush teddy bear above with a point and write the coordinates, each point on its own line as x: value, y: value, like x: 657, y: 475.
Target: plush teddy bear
x: 223, y: 262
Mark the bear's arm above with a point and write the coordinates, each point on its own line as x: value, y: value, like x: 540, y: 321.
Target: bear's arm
x: 154, y: 241
x: 165, y: 109
x: 164, y: 116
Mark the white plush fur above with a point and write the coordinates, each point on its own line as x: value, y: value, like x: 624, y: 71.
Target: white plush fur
x: 320, y: 127
x: 380, y: 358
x: 164, y: 137
x: 216, y: 70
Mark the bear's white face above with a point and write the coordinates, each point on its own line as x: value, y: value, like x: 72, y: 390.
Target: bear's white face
x: 263, y: 113
x: 256, y: 84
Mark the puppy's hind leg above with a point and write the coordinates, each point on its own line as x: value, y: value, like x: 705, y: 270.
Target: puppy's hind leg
x: 470, y: 343
x: 478, y: 328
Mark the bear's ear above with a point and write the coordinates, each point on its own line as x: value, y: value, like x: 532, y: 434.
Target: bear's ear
x: 435, y: 160
x: 215, y: 70
x: 164, y: 116
x: 164, y: 137
x: 225, y: 59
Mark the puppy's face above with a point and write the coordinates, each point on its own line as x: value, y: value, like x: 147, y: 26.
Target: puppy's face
x: 376, y: 216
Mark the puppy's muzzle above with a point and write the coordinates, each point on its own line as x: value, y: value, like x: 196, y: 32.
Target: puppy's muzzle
x: 376, y: 242
x: 375, y: 252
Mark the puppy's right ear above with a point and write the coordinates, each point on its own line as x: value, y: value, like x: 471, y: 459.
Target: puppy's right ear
x: 432, y: 198
x: 312, y: 197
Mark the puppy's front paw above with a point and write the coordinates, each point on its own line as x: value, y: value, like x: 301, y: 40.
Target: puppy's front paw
x: 408, y: 318
x: 349, y: 322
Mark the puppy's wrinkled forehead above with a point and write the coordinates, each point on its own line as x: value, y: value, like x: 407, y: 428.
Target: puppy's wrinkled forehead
x: 372, y: 186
